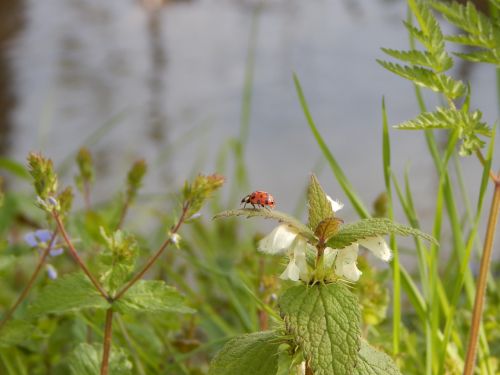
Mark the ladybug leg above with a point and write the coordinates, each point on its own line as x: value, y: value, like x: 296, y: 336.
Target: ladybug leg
x: 253, y: 205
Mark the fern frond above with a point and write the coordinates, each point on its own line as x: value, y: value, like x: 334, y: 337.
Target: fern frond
x: 484, y: 56
x: 438, y: 82
x: 417, y: 57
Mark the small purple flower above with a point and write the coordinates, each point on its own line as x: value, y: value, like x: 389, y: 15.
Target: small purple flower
x: 40, y: 239
x: 51, y: 272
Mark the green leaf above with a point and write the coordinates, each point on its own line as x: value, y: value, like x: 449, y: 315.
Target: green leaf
x: 412, y: 57
x: 468, y: 125
x: 268, y: 214
x: 14, y: 167
x: 251, y: 354
x: 320, y: 207
x: 86, y: 360
x: 482, y: 56
x: 118, y: 259
x: 484, y: 32
x: 374, y: 362
x: 325, y: 322
x: 353, y: 232
x: 152, y: 296
x: 327, y: 228
x: 68, y: 294
x: 15, y: 332
x: 427, y: 78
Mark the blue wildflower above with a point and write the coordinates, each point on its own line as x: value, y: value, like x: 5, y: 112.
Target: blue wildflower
x: 51, y: 272
x: 40, y: 239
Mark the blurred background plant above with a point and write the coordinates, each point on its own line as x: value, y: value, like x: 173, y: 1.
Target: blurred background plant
x: 164, y: 108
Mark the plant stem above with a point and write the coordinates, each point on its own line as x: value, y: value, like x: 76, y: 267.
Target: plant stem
x: 309, y: 370
x: 86, y: 195
x: 106, y: 348
x: 77, y: 258
x: 123, y: 213
x: 31, y: 281
x: 482, y: 280
x: 151, y: 260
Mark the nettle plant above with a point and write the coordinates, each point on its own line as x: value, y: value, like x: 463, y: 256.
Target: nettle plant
x: 320, y: 329
x: 108, y: 282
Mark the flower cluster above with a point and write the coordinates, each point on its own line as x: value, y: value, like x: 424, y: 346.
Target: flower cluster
x: 40, y: 239
x: 286, y: 240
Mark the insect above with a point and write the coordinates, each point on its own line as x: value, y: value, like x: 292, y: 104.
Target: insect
x: 258, y: 198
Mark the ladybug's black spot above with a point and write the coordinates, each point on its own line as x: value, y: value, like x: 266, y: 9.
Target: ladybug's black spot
x: 258, y: 201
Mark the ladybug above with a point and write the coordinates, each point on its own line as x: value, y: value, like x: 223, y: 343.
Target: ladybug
x: 259, y: 198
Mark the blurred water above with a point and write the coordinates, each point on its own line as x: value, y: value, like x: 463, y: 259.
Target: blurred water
x: 172, y: 81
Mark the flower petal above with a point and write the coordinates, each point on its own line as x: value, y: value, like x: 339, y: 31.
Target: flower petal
x: 299, y: 247
x: 292, y: 272
x: 43, y: 235
x: 329, y: 256
x: 278, y: 241
x: 30, y: 239
x: 51, y: 272
x: 345, y: 264
x: 336, y: 205
x: 56, y: 252
x: 378, y: 246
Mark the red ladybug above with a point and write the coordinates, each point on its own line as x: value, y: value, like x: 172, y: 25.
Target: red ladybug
x: 259, y: 198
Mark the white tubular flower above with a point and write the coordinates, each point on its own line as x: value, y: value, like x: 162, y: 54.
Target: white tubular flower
x: 278, y: 241
x: 345, y: 263
x: 336, y: 205
x: 297, y: 268
x: 378, y: 247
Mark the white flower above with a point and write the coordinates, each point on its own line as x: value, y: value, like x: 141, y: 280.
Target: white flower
x: 336, y: 205
x: 345, y: 263
x: 297, y: 268
x: 378, y: 246
x: 278, y: 241
x: 284, y: 239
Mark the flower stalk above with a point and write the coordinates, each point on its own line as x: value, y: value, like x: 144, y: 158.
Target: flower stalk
x: 106, y: 349
x: 31, y: 281
x: 482, y: 280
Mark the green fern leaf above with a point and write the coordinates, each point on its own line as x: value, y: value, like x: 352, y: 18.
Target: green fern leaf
x: 484, y: 56
x: 427, y: 78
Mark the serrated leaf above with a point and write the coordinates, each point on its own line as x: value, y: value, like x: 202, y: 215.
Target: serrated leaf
x: 268, y: 214
x: 482, y: 56
x: 427, y: 78
x: 86, y: 360
x: 319, y: 206
x: 152, y: 296
x: 466, y: 17
x: 366, y: 228
x: 327, y: 228
x: 324, y: 320
x: 251, y: 354
x: 412, y: 57
x: 15, y: 332
x: 68, y: 294
x: 468, y: 124
x: 374, y: 362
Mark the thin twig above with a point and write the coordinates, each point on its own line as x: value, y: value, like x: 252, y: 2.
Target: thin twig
x: 77, y: 258
x: 123, y: 213
x: 106, y: 348
x: 151, y: 260
x: 31, y: 281
x: 482, y: 160
x: 482, y: 281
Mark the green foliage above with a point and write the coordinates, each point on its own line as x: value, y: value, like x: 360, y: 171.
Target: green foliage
x: 15, y: 332
x: 324, y: 321
x: 86, y: 360
x: 467, y: 124
x: 44, y: 177
x: 317, y: 201
x: 353, y: 232
x: 65, y: 200
x: 118, y: 259
x: 152, y: 296
x: 438, y: 82
x: 327, y: 228
x: 197, y: 192
x: 281, y: 217
x: 70, y: 293
x: 254, y: 353
x: 374, y: 362
x: 480, y: 30
x: 85, y: 168
x: 134, y: 178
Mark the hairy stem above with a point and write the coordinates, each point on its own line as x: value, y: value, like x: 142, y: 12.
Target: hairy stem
x: 152, y: 260
x: 31, y: 281
x: 482, y: 281
x: 77, y: 258
x: 106, y: 348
